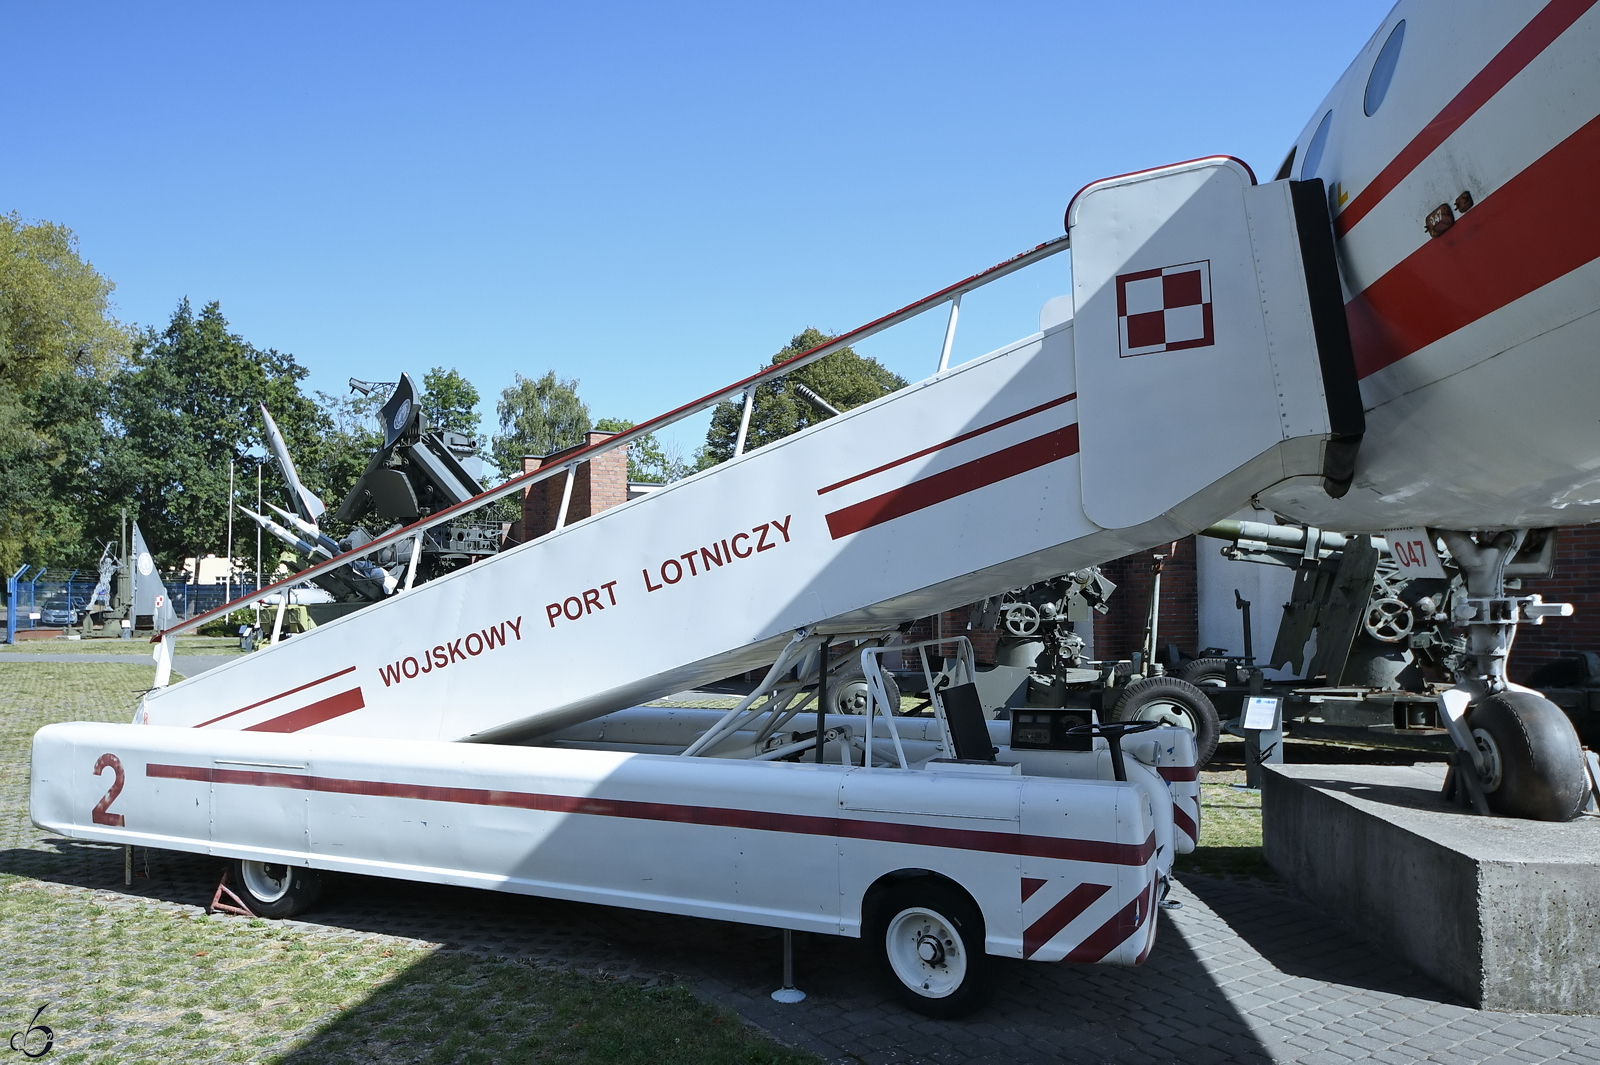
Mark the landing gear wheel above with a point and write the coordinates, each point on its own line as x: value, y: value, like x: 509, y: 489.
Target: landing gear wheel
x: 275, y: 890
x: 1206, y: 672
x: 1170, y: 701
x: 928, y: 936
x: 1535, y: 763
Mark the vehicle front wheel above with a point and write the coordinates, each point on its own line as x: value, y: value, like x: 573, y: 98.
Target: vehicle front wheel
x: 929, y: 939
x: 273, y: 889
x: 1170, y: 701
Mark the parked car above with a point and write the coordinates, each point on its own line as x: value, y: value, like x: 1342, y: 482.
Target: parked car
x: 61, y: 611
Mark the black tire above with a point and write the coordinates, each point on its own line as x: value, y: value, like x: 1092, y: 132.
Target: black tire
x: 1174, y: 702
x: 925, y: 917
x: 275, y: 890
x: 1536, y: 763
x: 1207, y: 672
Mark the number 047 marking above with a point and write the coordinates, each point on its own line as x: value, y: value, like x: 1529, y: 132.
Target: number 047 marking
x: 1412, y: 550
x: 102, y: 809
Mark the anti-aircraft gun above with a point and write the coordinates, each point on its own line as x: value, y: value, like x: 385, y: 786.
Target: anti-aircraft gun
x: 1385, y: 642
x: 1043, y: 680
x: 416, y: 472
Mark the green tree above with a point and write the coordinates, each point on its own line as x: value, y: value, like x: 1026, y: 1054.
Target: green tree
x: 648, y: 461
x: 537, y: 417
x: 843, y: 378
x: 55, y: 309
x: 63, y: 474
x: 449, y: 402
x: 189, y: 404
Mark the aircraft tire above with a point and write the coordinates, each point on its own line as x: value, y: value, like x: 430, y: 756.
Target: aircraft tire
x: 928, y: 936
x: 1536, y: 767
x: 276, y: 890
x: 1172, y: 701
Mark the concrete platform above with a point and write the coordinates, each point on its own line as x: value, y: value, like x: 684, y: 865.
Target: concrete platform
x: 1504, y: 912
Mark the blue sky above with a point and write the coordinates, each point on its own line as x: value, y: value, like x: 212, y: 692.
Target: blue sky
x: 649, y: 198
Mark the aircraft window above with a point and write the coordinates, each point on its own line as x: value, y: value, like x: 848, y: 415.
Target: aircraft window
x: 1319, y: 141
x: 1383, y: 70
x: 1288, y: 162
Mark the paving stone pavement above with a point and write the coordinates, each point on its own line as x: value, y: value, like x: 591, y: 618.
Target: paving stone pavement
x: 1244, y: 972
x: 183, y: 665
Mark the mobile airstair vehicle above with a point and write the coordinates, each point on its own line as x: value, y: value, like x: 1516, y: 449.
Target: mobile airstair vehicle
x: 1322, y: 343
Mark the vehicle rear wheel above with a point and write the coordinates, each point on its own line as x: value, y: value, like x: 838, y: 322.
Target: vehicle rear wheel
x: 850, y: 694
x: 1535, y: 763
x: 929, y: 939
x: 1170, y: 701
x: 273, y: 889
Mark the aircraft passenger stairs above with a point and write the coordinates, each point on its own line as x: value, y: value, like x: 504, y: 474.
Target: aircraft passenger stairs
x: 1200, y: 367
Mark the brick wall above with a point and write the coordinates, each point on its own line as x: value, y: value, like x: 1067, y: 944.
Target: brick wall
x: 599, y: 484
x: 950, y: 623
x: 1120, y: 632
x: 1575, y: 580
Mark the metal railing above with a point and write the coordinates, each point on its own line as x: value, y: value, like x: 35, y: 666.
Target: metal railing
x: 568, y: 465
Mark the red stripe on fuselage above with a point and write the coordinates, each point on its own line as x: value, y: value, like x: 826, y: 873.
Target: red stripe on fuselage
x: 956, y: 481
x: 1510, y: 61
x: 1078, y: 850
x: 1538, y: 226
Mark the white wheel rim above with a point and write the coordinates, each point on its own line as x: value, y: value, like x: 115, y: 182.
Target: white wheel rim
x: 267, y: 882
x: 1166, y: 713
x: 854, y: 698
x: 926, y: 953
x: 1490, y: 752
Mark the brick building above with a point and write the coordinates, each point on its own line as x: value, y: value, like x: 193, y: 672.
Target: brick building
x: 1575, y: 580
x: 1119, y: 633
x: 599, y: 484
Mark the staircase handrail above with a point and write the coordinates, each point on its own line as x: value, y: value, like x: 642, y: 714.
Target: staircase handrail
x: 950, y: 294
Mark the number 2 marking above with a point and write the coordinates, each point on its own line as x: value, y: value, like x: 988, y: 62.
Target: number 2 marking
x: 102, y: 814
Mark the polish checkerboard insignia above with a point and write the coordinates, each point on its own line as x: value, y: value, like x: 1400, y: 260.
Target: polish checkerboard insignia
x: 1168, y: 309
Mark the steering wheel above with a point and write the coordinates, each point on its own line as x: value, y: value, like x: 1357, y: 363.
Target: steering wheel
x: 1118, y: 729
x: 1113, y: 731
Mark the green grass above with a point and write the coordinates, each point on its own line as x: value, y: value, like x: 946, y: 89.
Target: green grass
x: 1230, y: 829
x: 128, y: 980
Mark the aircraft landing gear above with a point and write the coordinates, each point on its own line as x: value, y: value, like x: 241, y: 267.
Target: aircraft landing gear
x: 1518, y: 754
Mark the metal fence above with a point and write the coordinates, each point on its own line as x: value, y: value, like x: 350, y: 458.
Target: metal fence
x: 44, y: 598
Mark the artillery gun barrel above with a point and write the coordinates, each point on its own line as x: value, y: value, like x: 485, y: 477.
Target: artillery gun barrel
x: 1292, y: 537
